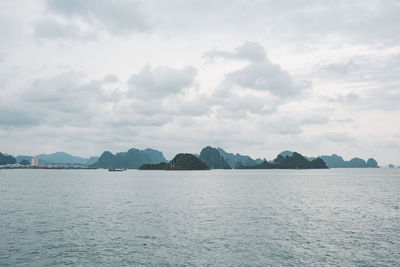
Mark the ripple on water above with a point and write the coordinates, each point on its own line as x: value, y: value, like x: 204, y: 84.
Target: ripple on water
x: 234, y: 218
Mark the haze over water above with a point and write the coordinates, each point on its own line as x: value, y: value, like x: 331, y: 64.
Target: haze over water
x: 220, y: 218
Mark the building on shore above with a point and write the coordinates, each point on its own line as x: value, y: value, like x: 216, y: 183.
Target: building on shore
x: 35, y: 161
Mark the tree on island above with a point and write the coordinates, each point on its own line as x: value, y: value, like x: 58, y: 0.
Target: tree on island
x: 182, y: 161
x: 296, y: 161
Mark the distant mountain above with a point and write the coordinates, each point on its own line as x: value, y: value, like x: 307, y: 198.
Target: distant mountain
x: 356, y: 163
x: 155, y: 155
x: 335, y: 161
x: 91, y: 160
x: 6, y: 159
x: 181, y: 161
x: 295, y: 161
x: 59, y: 158
x: 212, y: 157
x: 238, y: 160
x: 133, y: 158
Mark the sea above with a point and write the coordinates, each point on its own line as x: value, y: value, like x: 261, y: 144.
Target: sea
x: 334, y: 217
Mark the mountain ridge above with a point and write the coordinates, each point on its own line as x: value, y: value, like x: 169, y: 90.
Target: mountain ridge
x: 133, y: 158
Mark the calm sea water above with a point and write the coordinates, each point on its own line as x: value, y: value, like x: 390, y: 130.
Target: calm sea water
x: 217, y: 218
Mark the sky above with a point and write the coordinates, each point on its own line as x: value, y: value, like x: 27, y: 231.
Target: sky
x: 253, y: 77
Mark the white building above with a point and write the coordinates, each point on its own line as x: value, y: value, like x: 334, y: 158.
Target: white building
x: 35, y: 162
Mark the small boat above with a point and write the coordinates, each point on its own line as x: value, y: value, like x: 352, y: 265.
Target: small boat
x: 116, y: 170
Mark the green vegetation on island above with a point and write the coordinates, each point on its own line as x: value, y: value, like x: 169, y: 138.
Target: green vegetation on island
x: 182, y: 161
x: 158, y: 166
x: 7, y: 159
x: 213, y: 158
x: 295, y: 161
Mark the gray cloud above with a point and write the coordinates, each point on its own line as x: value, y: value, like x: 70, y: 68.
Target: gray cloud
x: 300, y: 22
x: 53, y: 29
x: 351, y: 97
x: 343, y: 120
x: 342, y: 68
x: 265, y: 76
x: 118, y: 17
x: 252, y: 51
x: 160, y: 82
x: 198, y: 105
x: 64, y: 99
x: 340, y: 137
x: 14, y: 117
x: 241, y: 106
x: 284, y: 126
x: 381, y: 99
x: 65, y: 92
x: 315, y: 119
x: 384, y: 98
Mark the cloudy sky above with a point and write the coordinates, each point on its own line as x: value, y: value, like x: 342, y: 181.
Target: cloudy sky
x: 254, y: 77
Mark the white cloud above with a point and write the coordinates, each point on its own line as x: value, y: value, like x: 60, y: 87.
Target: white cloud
x: 260, y: 74
x: 160, y: 82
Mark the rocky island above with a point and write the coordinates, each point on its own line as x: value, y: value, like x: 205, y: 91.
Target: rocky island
x: 295, y: 161
x: 212, y: 157
x: 182, y: 161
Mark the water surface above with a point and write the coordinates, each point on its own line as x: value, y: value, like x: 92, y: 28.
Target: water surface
x: 183, y: 218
